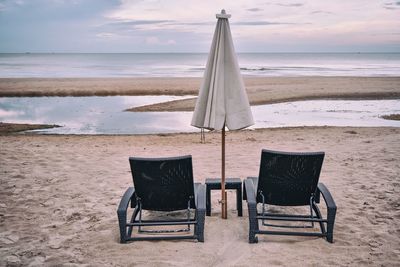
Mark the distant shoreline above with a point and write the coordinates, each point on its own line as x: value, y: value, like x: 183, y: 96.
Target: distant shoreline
x: 10, y: 128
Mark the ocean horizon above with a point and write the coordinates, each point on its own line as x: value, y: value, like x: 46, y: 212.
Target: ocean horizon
x: 98, y: 65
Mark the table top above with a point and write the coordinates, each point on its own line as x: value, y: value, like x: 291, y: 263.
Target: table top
x: 227, y: 180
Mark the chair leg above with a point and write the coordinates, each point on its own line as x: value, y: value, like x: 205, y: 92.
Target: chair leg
x: 199, y: 227
x: 208, y: 200
x: 331, y: 222
x: 319, y: 216
x: 253, y: 223
x: 122, y: 226
x: 133, y: 218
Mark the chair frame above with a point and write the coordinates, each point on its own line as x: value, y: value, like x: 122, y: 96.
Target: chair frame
x: 326, y: 224
x: 129, y: 197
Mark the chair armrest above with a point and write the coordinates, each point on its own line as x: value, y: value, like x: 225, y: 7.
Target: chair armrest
x: 255, y: 182
x: 250, y: 191
x: 126, y: 198
x: 330, y: 203
x: 252, y: 209
x: 200, y: 196
x: 331, y: 210
x: 122, y: 211
x: 200, y: 202
x: 254, y: 179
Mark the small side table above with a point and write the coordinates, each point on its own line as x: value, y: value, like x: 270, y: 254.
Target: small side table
x: 230, y: 183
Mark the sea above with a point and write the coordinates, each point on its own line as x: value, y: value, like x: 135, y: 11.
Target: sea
x: 63, y: 65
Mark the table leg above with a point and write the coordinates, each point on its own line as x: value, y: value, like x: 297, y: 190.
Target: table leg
x: 239, y: 200
x: 208, y: 201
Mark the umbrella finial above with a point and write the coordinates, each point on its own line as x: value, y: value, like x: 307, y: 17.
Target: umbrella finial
x: 223, y: 15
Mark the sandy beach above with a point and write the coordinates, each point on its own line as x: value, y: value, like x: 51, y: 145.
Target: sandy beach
x: 59, y: 194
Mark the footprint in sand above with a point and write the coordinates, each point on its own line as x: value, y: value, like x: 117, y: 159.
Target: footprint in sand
x: 76, y: 216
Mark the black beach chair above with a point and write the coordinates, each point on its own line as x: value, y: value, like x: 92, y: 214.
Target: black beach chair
x: 288, y: 179
x: 163, y: 185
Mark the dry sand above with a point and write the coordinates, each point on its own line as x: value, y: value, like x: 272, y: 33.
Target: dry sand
x: 59, y: 194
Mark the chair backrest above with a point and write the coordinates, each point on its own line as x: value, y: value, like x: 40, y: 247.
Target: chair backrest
x: 288, y: 179
x: 163, y: 184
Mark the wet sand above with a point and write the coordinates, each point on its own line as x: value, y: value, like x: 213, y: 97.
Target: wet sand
x: 260, y: 90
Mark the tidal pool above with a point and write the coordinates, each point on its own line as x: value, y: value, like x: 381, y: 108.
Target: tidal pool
x: 106, y: 115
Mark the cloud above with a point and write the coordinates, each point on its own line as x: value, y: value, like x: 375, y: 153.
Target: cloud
x: 136, y: 22
x: 155, y: 40
x: 152, y: 40
x: 255, y: 9
x: 192, y: 23
x: 321, y: 12
x: 106, y: 35
x: 291, y: 5
x: 392, y: 5
x: 152, y: 27
x: 122, y: 26
x: 131, y: 25
x: 285, y: 5
x: 19, y: 2
x: 7, y: 4
x: 396, y: 3
x: 260, y: 23
x: 385, y: 33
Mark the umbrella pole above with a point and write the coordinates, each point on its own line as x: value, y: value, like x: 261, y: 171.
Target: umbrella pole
x: 224, y: 200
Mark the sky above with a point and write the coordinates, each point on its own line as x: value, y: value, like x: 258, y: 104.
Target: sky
x: 142, y: 26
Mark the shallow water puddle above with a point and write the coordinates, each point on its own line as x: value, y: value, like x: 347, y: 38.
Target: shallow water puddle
x: 105, y: 115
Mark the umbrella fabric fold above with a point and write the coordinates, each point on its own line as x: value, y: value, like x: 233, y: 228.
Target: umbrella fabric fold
x: 222, y: 97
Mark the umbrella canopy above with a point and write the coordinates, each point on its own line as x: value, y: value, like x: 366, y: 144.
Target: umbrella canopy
x: 222, y: 100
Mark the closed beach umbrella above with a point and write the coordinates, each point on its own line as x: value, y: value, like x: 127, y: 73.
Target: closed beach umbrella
x: 222, y: 100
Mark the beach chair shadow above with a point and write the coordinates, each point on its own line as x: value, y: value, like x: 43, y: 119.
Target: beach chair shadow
x: 288, y: 181
x: 163, y: 196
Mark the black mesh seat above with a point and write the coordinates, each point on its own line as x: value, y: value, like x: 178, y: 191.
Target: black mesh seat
x: 163, y: 185
x: 288, y: 179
